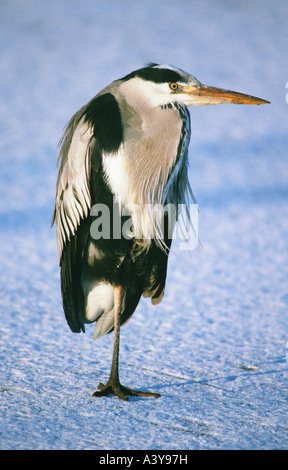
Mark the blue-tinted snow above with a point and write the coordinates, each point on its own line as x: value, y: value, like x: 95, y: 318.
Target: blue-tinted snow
x: 215, y: 347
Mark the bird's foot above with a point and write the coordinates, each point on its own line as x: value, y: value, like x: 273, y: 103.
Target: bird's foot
x: 121, y: 392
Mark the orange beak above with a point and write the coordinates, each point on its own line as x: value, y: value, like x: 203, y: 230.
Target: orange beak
x: 208, y: 95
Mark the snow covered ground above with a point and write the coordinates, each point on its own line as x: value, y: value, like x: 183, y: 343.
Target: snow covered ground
x: 215, y: 348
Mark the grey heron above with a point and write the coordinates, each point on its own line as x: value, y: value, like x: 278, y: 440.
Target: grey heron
x: 127, y: 147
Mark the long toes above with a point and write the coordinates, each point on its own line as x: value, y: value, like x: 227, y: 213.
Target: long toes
x: 139, y: 393
x: 111, y: 391
x: 121, y: 392
x: 102, y: 391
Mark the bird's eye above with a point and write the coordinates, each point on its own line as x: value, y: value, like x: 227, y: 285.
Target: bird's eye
x: 173, y: 86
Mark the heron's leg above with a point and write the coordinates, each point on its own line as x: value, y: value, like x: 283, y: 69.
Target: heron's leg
x: 113, y: 385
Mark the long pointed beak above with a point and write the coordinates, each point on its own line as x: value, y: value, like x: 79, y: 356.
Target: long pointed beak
x: 207, y: 95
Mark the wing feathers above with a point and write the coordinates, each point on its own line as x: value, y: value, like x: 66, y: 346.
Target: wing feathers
x: 73, y: 199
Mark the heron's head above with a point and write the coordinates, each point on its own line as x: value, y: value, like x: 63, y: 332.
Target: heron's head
x: 157, y: 85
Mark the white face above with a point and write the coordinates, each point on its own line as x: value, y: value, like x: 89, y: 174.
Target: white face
x: 141, y: 93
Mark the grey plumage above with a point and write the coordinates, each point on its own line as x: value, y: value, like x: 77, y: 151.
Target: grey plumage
x: 127, y: 148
